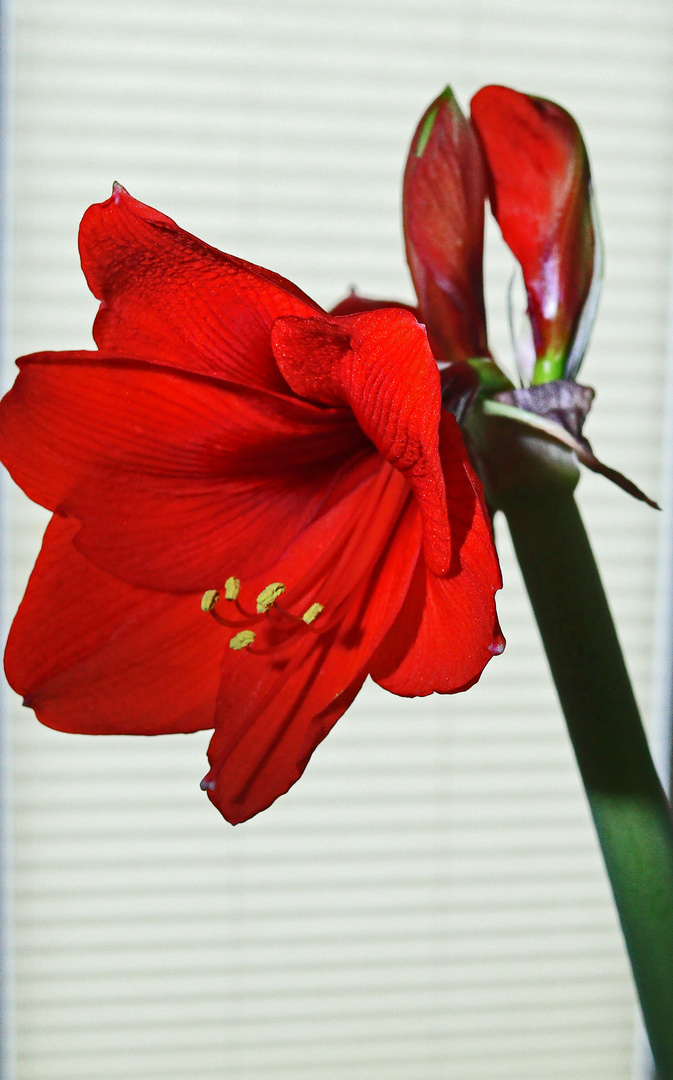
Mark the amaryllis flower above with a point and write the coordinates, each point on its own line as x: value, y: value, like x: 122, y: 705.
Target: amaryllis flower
x: 256, y: 505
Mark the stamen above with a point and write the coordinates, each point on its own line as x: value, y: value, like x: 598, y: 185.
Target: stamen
x: 340, y: 552
x: 232, y: 587
x: 346, y: 555
x: 312, y: 614
x: 209, y: 599
x: 207, y: 785
x: 242, y: 640
x: 268, y: 596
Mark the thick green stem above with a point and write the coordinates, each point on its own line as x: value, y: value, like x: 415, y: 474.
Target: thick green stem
x: 533, y: 482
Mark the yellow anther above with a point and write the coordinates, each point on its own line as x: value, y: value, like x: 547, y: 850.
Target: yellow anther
x: 242, y: 639
x: 209, y: 599
x: 267, y: 598
x: 312, y: 614
x: 232, y: 587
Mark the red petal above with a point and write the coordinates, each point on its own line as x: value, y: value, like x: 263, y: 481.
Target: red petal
x: 275, y: 709
x: 443, y: 205
x: 93, y: 655
x: 379, y: 363
x: 179, y: 481
x: 355, y: 305
x: 539, y: 184
x: 448, y: 630
x: 170, y: 299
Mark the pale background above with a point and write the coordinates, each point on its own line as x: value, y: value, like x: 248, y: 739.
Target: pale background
x: 429, y: 902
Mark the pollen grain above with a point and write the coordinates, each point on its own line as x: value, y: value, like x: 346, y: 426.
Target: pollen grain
x: 268, y: 596
x: 209, y: 600
x: 312, y: 613
x: 242, y: 640
x: 232, y: 587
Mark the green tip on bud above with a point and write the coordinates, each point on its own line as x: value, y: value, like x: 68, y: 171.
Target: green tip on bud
x: 446, y: 97
x: 426, y: 130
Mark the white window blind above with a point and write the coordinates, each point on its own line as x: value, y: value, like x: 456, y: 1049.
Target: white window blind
x: 428, y: 903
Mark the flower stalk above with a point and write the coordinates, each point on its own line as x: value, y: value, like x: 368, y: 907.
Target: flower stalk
x: 532, y: 480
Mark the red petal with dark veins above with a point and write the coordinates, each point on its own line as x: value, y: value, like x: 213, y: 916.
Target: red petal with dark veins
x: 93, y: 655
x: 170, y: 299
x: 380, y: 365
x: 178, y: 480
x: 539, y: 183
x: 443, y: 209
x: 447, y: 630
x: 274, y: 709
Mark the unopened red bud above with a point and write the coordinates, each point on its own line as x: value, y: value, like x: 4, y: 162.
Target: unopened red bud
x: 443, y: 207
x: 540, y: 191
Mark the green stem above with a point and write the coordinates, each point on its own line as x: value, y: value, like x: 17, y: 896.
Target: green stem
x: 629, y: 807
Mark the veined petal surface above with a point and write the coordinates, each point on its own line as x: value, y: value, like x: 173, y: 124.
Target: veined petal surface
x: 168, y: 298
x: 175, y: 478
x: 447, y: 629
x: 275, y: 708
x: 379, y: 364
x: 93, y: 655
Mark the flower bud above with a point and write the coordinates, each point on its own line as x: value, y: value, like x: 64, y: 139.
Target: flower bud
x: 443, y: 209
x: 540, y: 192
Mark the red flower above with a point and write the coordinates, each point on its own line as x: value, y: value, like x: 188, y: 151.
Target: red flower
x: 231, y: 447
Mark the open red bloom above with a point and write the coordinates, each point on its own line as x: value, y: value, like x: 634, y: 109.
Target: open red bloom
x: 256, y: 505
